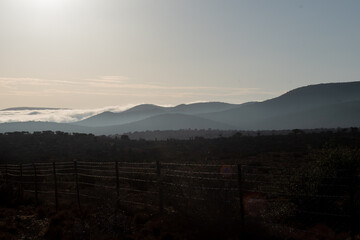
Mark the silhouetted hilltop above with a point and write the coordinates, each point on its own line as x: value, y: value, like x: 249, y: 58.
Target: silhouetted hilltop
x: 145, y: 108
x: 316, y: 106
x: 131, y: 115
x: 144, y: 111
x: 204, y: 107
x: 316, y: 95
x: 300, y: 101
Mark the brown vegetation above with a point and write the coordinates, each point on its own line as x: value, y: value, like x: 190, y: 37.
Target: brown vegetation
x: 293, y: 186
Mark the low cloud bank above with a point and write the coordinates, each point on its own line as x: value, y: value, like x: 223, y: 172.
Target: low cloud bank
x: 59, y: 115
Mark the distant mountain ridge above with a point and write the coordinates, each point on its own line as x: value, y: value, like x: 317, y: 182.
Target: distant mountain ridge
x: 144, y: 111
x: 295, y: 101
x: 329, y: 105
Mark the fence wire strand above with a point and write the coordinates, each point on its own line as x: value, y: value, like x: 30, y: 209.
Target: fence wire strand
x: 121, y: 181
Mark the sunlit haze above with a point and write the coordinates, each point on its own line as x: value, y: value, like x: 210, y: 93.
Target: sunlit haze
x: 95, y: 53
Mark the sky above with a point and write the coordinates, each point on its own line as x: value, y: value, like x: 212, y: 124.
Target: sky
x: 92, y: 54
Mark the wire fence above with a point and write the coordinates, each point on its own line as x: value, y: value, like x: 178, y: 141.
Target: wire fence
x: 232, y: 192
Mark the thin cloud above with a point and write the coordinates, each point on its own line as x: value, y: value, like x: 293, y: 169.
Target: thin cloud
x: 119, y: 82
x: 60, y: 115
x: 121, y: 87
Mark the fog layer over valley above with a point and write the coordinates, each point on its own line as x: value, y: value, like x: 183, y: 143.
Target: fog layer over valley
x: 317, y: 106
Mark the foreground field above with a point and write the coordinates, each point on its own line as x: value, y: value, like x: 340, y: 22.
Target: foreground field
x: 293, y: 186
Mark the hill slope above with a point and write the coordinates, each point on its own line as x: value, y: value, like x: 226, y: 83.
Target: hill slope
x: 128, y: 116
x: 144, y: 111
x: 330, y: 116
x: 299, y: 100
x: 162, y: 122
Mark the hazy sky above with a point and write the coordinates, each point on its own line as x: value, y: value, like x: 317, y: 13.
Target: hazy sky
x: 97, y: 53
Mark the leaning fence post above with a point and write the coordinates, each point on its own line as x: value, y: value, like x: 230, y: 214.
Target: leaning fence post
x: 241, y: 195
x: 36, y: 185
x: 158, y: 172
x: 117, y: 178
x: 55, y: 187
x: 77, y: 184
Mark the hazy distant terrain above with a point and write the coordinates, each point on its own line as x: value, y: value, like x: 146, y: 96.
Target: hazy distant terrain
x: 145, y: 111
x: 29, y: 108
x: 317, y: 106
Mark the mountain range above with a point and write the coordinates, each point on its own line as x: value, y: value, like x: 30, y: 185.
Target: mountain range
x: 328, y: 105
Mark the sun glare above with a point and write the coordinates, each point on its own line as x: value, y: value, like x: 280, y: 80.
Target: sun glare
x: 46, y: 4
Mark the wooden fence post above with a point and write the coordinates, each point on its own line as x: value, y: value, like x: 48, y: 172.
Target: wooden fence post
x: 158, y: 172
x: 77, y: 184
x: 55, y: 188
x: 117, y: 178
x: 353, y: 208
x: 6, y: 174
x: 241, y: 195
x: 36, y: 185
x: 21, y: 188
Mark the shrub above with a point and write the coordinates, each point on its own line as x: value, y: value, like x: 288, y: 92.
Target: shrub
x: 327, y: 185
